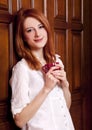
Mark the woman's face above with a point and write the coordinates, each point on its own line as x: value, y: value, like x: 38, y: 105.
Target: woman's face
x: 34, y: 33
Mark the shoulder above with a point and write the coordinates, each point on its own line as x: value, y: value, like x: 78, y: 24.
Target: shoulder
x: 22, y: 64
x: 20, y: 67
x: 19, y: 71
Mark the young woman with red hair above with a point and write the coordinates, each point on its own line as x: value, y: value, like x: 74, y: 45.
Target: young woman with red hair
x: 40, y: 91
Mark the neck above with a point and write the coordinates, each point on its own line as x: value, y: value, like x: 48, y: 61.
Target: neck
x: 41, y: 60
x: 39, y: 55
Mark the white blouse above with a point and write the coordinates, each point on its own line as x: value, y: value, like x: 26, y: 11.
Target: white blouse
x: 53, y: 113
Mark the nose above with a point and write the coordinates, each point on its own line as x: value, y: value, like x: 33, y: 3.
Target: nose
x: 37, y: 33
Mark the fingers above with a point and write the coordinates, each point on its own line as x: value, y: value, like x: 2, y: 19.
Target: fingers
x: 59, y: 65
x: 54, y: 68
x: 56, y: 75
x: 50, y: 81
x: 56, y: 72
x: 60, y: 74
x: 50, y: 76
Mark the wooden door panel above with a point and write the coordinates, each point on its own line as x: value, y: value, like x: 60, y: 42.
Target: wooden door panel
x: 4, y: 62
x: 5, y: 20
x: 50, y: 13
x: 61, y: 8
x: 14, y: 6
x: 77, y: 115
x: 39, y: 4
x: 76, y: 60
x: 4, y: 4
x: 60, y: 40
x: 25, y: 3
x: 76, y: 9
x: 68, y: 19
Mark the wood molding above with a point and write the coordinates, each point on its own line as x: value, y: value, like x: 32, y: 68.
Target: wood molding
x: 4, y: 5
x: 60, y: 23
x: 5, y: 17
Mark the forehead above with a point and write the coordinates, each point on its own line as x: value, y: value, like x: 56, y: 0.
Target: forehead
x: 30, y: 21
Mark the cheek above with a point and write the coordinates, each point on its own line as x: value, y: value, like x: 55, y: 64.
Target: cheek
x: 46, y: 38
x: 45, y: 34
x: 27, y: 37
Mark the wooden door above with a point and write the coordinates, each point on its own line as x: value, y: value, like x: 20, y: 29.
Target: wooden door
x: 68, y: 35
x: 7, y: 7
x: 5, y: 19
x: 66, y: 18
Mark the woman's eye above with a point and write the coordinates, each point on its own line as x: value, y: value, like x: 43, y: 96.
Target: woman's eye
x: 30, y: 30
x: 41, y: 26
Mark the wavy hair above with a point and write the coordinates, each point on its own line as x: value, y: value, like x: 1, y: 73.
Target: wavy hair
x: 22, y: 48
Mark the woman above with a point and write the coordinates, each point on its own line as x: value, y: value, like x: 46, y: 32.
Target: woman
x: 40, y: 93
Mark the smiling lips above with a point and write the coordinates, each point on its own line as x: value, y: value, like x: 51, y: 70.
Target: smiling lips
x: 38, y: 40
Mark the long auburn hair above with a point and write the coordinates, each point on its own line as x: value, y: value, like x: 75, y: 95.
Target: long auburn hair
x: 22, y: 48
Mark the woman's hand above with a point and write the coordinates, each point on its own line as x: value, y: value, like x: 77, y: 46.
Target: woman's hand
x: 60, y: 74
x: 57, y: 75
x: 50, y: 79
